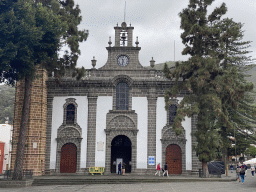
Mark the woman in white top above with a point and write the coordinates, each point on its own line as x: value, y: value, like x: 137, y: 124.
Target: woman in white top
x: 252, y: 169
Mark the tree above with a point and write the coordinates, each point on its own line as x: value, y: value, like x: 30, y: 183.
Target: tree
x: 214, y: 88
x: 219, y: 92
x: 233, y: 54
x: 32, y: 33
x: 7, y: 98
x: 198, y: 76
x: 252, y: 151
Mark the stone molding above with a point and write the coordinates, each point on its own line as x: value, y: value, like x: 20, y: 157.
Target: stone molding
x: 169, y: 138
x: 112, y: 130
x: 122, y: 78
x: 69, y: 133
x: 60, y: 143
x: 69, y: 101
x: 172, y: 101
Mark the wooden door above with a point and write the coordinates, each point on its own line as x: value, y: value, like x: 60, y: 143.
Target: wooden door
x: 1, y: 156
x: 68, y: 158
x: 173, y: 159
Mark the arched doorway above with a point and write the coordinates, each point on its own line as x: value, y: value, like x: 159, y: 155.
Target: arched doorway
x: 68, y: 159
x: 121, y: 149
x: 173, y: 159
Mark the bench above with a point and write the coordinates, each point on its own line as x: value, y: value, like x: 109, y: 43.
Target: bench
x: 94, y: 170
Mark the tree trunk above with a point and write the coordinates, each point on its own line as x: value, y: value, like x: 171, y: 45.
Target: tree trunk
x: 205, y: 170
x: 18, y: 167
x: 224, y: 158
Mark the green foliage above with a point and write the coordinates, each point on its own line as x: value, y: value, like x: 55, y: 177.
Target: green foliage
x: 252, y: 151
x: 30, y: 35
x: 33, y: 33
x: 7, y: 99
x: 213, y: 76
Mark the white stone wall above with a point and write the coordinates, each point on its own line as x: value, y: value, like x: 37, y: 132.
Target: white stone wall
x: 57, y: 120
x: 187, y: 126
x: 6, y: 137
x: 161, y: 120
x: 104, y: 104
x: 139, y: 104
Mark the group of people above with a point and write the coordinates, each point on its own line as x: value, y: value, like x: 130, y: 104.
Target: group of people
x: 241, y: 171
x: 121, y: 169
x: 158, y: 170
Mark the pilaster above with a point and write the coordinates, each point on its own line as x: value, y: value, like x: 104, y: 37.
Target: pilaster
x: 48, y: 134
x: 91, y: 131
x: 151, y: 149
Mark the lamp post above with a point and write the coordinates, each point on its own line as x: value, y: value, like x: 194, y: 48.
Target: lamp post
x: 235, y: 144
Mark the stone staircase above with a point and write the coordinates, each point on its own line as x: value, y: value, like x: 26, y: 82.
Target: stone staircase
x: 97, y: 179
x: 41, y: 182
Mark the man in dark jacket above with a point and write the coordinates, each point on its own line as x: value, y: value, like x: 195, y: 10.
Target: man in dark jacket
x: 165, y: 170
x: 119, y: 169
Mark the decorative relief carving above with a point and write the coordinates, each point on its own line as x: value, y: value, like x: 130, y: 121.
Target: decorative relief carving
x: 168, y: 134
x: 121, y: 122
x: 69, y: 132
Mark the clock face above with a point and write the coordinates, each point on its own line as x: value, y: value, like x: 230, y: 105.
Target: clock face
x: 122, y: 60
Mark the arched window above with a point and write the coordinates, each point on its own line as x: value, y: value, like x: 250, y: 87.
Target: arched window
x: 122, y: 96
x: 70, y: 118
x: 172, y: 113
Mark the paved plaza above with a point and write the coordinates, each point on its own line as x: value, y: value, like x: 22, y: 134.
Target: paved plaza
x: 225, y: 186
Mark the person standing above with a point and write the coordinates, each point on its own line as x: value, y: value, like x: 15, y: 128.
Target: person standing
x: 119, y: 169
x: 245, y: 167
x: 242, y: 173
x: 165, y: 170
x: 231, y: 168
x: 158, y: 169
x: 123, y: 169
x: 238, y: 169
x: 252, y: 170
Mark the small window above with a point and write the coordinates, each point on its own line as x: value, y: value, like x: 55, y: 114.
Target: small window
x: 122, y: 96
x: 172, y: 113
x: 70, y: 118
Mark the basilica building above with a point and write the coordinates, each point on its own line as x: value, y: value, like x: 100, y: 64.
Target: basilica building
x: 116, y: 113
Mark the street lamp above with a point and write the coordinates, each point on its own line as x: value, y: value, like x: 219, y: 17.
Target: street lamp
x: 235, y: 143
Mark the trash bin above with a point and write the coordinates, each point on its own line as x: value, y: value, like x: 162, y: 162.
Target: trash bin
x: 200, y: 173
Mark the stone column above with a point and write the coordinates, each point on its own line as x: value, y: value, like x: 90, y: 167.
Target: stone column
x: 91, y: 131
x: 196, y: 164
x: 117, y: 36
x: 151, y: 149
x: 48, y: 134
x: 130, y: 36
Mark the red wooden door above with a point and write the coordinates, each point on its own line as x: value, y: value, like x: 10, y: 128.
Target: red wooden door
x: 68, y: 158
x: 1, y: 156
x: 173, y: 159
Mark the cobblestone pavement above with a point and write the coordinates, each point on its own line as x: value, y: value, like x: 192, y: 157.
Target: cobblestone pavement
x: 249, y: 185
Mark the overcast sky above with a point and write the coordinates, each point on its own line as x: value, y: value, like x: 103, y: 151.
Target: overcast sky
x: 155, y: 22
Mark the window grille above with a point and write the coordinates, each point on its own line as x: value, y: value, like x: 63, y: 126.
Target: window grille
x: 122, y: 96
x: 70, y: 118
x: 172, y: 113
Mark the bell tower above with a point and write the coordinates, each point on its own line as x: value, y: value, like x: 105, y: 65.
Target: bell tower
x: 123, y: 35
x: 123, y: 55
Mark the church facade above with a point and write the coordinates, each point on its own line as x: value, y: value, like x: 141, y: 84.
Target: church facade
x: 116, y: 113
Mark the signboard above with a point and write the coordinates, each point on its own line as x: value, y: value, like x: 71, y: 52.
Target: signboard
x: 151, y: 160
x: 34, y: 145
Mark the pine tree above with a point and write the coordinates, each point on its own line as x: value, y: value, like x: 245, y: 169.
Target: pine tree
x: 199, y: 75
x: 218, y: 89
x: 233, y: 52
x: 32, y: 33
